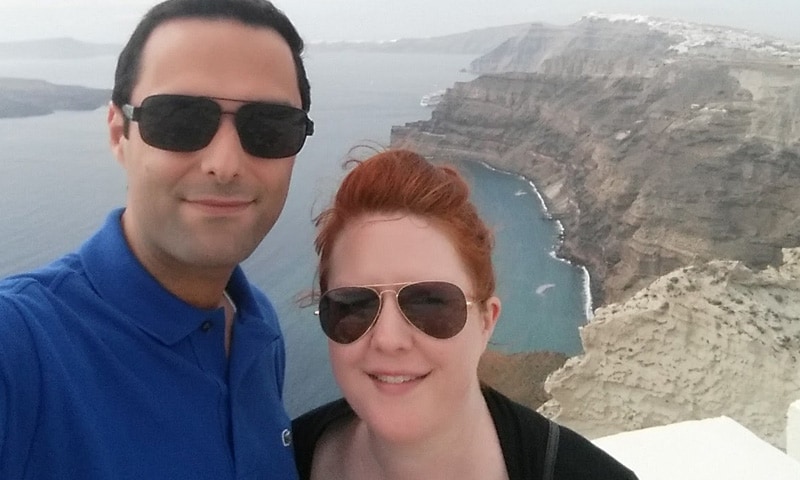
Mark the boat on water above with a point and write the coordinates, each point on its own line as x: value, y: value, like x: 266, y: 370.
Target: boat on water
x: 432, y: 99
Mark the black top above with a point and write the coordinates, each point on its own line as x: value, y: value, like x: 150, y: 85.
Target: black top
x: 523, y: 439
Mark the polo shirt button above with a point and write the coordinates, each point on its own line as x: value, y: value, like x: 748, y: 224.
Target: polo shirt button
x: 206, y: 326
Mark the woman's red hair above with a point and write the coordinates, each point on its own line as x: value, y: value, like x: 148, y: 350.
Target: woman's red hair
x: 402, y: 181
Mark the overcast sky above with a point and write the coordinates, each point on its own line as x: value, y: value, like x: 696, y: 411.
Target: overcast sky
x: 112, y: 20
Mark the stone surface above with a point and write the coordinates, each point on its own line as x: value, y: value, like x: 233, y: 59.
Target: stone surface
x: 706, y: 340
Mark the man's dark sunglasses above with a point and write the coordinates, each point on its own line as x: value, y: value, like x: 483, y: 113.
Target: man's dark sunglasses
x: 438, y: 309
x: 184, y: 123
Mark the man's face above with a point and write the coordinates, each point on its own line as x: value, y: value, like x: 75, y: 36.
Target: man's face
x: 203, y: 212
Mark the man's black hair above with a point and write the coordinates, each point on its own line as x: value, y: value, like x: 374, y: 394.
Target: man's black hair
x: 256, y: 13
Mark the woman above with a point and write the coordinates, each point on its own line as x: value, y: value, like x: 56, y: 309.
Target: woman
x: 409, y: 307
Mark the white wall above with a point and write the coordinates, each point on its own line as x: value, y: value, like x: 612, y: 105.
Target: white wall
x: 710, y: 449
x: 793, y: 431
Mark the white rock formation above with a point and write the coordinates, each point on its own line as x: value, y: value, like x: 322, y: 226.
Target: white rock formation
x: 703, y: 341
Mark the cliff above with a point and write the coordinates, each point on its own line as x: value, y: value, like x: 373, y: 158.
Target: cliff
x: 707, y: 340
x: 670, y: 152
x: 654, y: 155
x: 24, y: 97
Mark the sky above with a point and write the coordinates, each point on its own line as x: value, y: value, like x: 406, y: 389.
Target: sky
x: 111, y: 21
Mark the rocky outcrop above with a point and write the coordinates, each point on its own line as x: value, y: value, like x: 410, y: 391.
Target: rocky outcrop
x: 24, y: 97
x: 703, y: 341
x: 677, y: 149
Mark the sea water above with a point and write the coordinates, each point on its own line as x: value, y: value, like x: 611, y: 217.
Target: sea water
x: 58, y: 181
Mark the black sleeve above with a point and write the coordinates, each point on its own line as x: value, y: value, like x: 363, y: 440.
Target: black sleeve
x: 578, y: 458
x: 522, y: 434
x: 309, y: 427
x: 523, y: 437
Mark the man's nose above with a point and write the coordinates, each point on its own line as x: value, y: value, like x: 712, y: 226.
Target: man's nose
x: 224, y: 157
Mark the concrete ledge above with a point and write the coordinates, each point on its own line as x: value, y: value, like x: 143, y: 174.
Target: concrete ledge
x: 793, y: 431
x: 711, y: 449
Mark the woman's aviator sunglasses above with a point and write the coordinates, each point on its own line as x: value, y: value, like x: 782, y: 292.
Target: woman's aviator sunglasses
x: 438, y: 309
x: 184, y: 123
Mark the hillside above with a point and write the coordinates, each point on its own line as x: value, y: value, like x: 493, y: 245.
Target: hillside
x: 26, y: 97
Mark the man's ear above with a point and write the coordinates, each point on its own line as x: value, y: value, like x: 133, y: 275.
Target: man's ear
x: 116, y: 132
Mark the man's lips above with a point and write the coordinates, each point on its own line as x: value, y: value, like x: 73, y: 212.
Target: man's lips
x: 220, y: 204
x: 220, y: 201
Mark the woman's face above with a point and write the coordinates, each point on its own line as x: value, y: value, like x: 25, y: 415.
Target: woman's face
x: 403, y: 383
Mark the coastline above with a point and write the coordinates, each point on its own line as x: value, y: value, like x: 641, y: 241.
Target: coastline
x: 558, y: 247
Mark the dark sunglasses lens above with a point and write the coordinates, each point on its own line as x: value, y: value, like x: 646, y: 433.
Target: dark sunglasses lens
x: 178, y: 123
x: 437, y: 308
x: 346, y: 313
x: 271, y: 131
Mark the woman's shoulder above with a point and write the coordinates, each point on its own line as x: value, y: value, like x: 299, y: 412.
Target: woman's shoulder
x: 524, y: 435
x: 307, y: 429
x: 323, y: 415
x: 512, y: 418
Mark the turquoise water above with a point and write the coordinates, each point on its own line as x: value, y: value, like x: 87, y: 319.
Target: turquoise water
x: 543, y: 297
x: 58, y: 180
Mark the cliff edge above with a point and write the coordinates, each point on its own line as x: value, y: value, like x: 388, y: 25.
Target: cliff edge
x: 707, y: 340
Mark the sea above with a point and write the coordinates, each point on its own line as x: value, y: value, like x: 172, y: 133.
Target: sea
x: 58, y: 181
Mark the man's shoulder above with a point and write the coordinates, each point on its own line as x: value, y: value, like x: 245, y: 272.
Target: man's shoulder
x: 30, y: 288
x: 31, y: 300
x: 252, y: 301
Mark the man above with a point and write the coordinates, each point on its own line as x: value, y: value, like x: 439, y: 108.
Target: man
x: 147, y: 354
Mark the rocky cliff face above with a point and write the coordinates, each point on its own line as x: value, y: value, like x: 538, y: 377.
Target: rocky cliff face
x: 671, y: 154
x: 654, y: 155
x: 706, y: 340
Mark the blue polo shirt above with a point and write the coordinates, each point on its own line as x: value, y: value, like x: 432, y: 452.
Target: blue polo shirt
x: 106, y: 375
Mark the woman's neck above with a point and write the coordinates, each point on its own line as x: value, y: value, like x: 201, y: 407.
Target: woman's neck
x: 465, y: 447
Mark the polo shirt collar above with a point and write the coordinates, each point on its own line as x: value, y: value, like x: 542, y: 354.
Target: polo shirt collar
x: 121, y: 280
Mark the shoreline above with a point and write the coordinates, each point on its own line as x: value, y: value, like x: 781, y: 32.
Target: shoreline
x: 585, y: 276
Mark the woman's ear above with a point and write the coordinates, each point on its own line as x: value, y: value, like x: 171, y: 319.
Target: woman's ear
x: 490, y: 313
